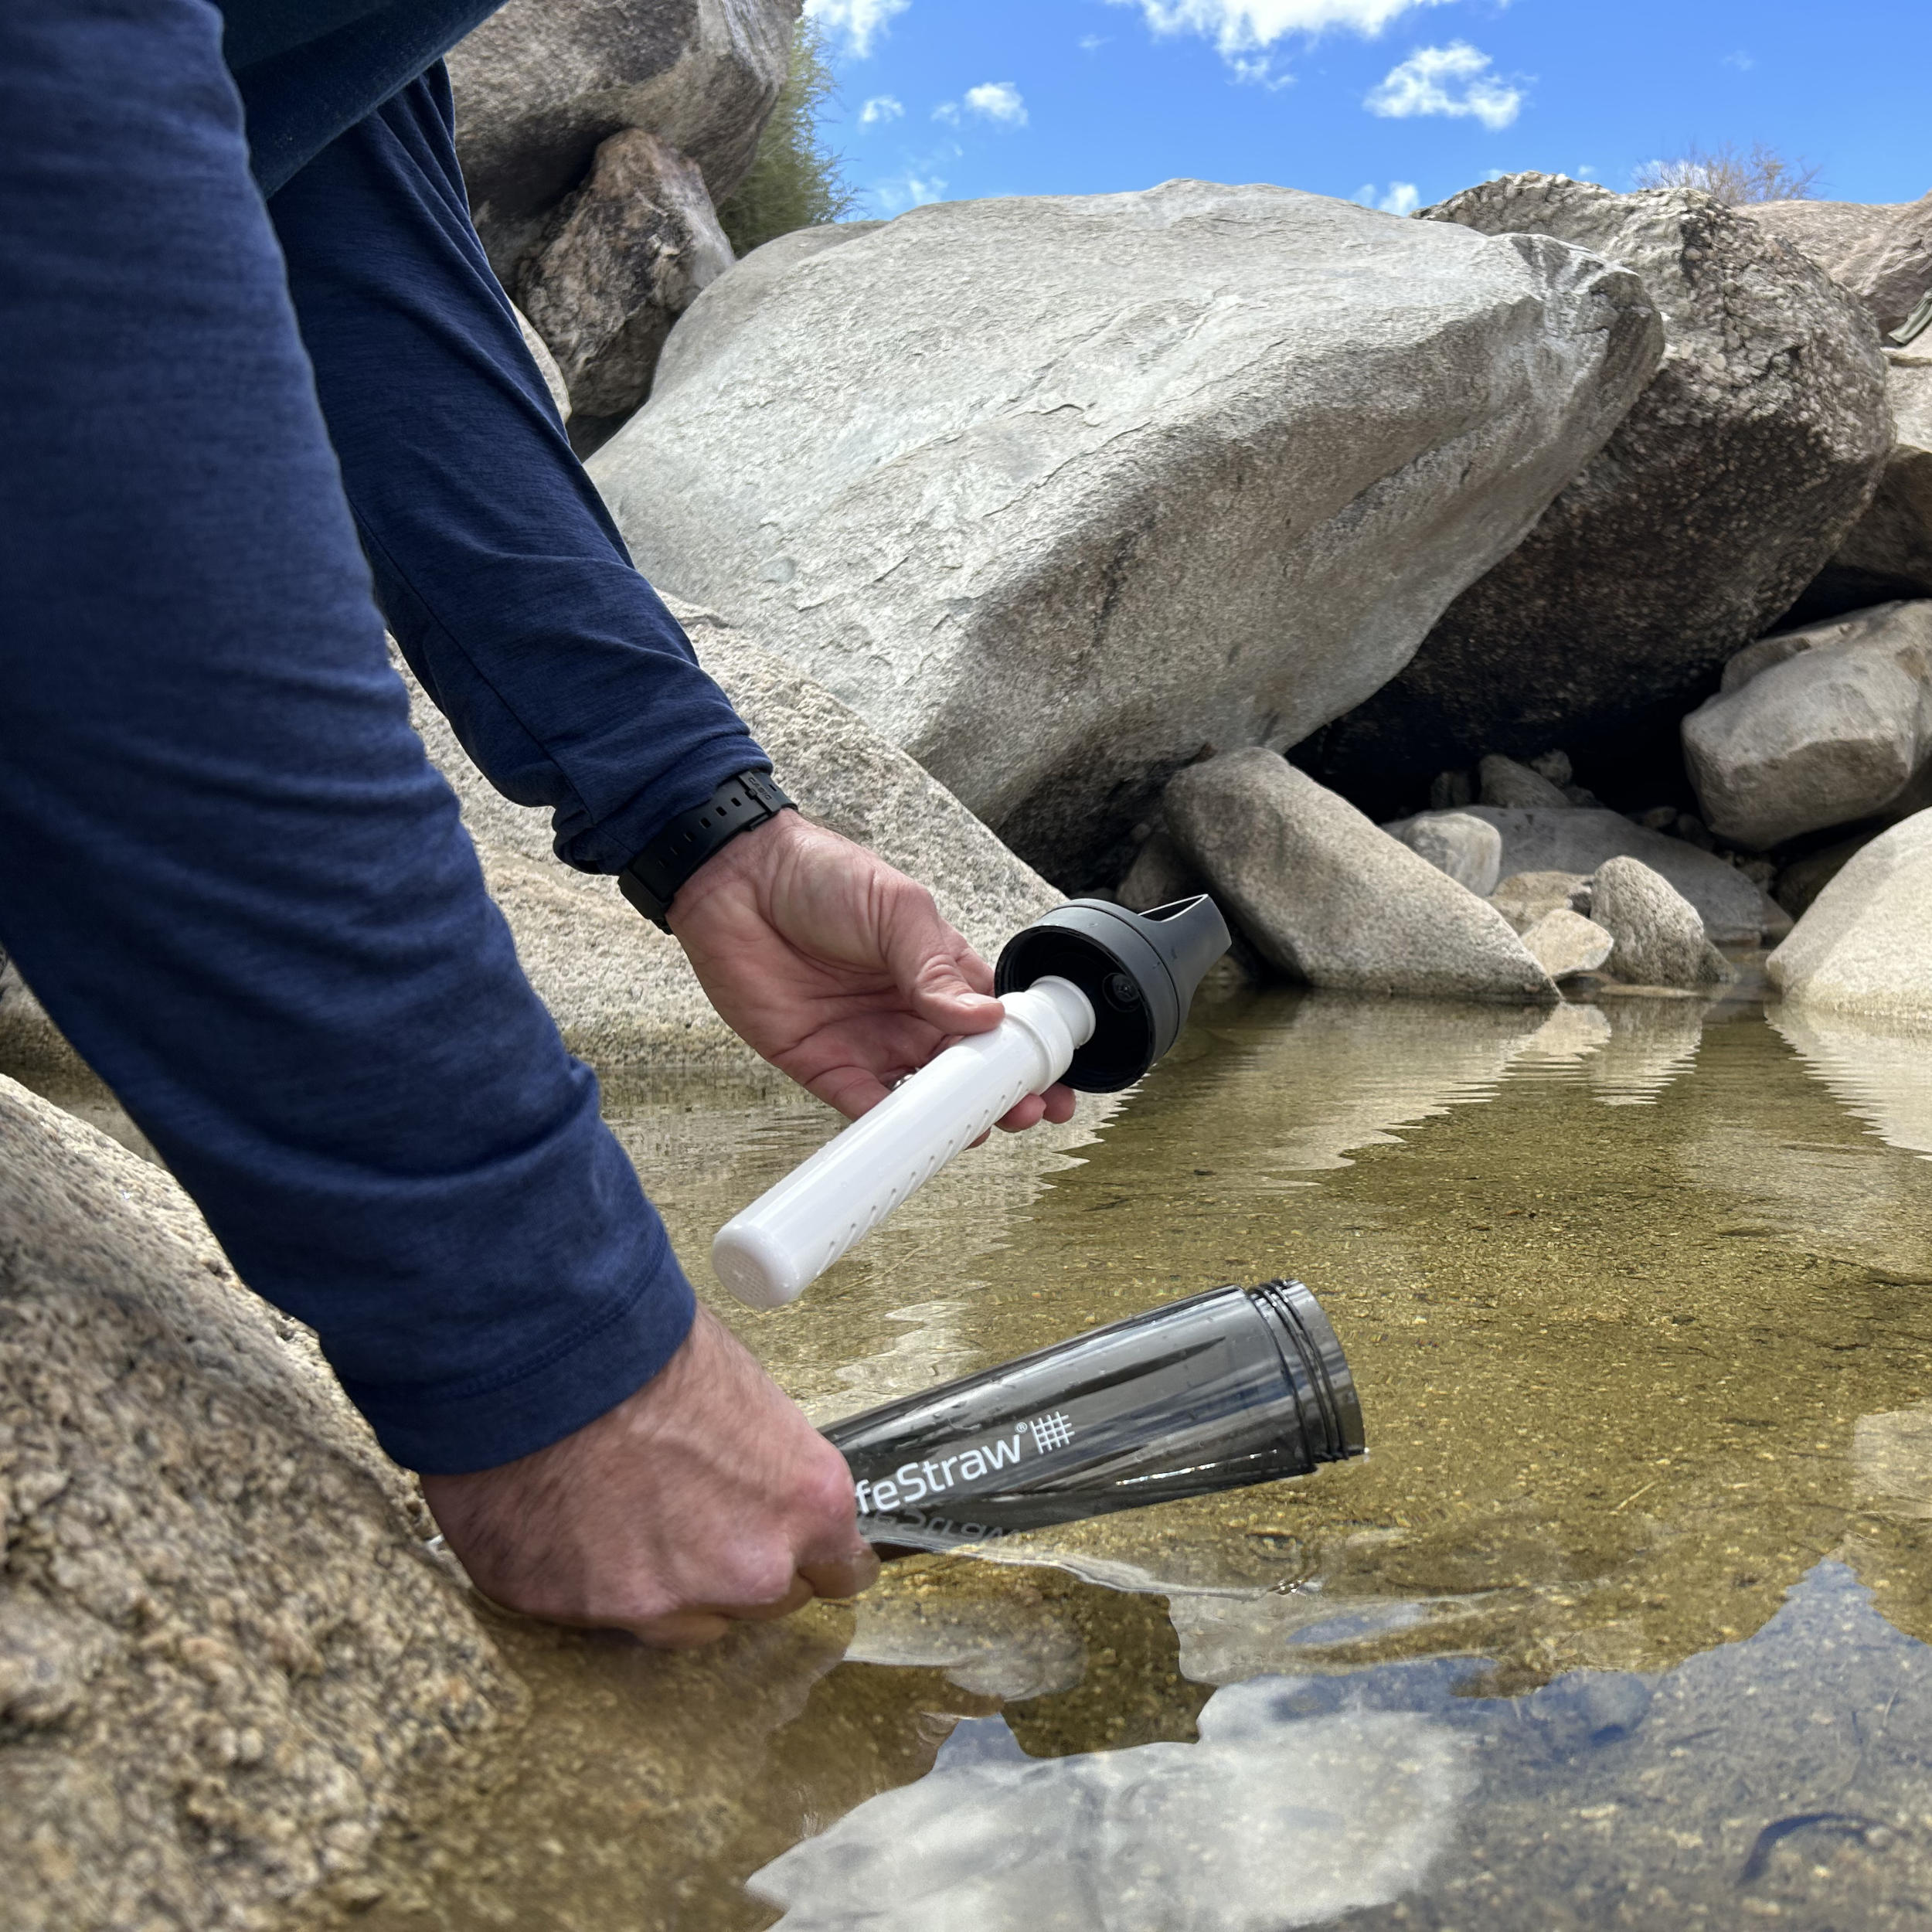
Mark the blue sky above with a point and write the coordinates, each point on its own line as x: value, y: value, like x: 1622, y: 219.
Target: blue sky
x: 1398, y: 101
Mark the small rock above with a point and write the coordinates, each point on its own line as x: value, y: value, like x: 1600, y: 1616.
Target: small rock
x: 1526, y: 897
x: 1469, y: 850
x: 1328, y: 898
x: 1865, y: 945
x: 1449, y: 790
x: 1659, y: 938
x: 1555, y: 766
x: 1762, y: 873
x: 1694, y: 832
x: 1582, y: 795
x: 622, y: 259
x: 1158, y: 876
x: 1658, y: 818
x: 1575, y: 840
x: 1565, y: 943
x: 1516, y: 786
x: 1819, y: 727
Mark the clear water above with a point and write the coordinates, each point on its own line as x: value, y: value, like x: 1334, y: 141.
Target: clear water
x: 1624, y: 1621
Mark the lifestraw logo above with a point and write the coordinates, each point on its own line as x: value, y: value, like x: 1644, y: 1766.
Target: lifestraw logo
x: 912, y: 1482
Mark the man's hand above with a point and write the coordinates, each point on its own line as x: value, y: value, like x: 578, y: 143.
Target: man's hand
x: 836, y: 968
x: 705, y: 1497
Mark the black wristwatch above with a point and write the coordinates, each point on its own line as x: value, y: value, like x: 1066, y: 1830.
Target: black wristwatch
x: 652, y: 879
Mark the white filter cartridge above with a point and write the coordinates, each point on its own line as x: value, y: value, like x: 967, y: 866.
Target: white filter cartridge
x: 793, y: 1232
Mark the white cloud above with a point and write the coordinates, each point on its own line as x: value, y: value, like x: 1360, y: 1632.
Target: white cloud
x: 1092, y: 43
x: 909, y: 190
x: 948, y: 112
x: 1245, y: 27
x: 1742, y: 61
x: 880, y: 107
x: 1402, y: 198
x: 1453, y: 80
x: 1584, y: 173
x: 997, y: 100
x: 862, y: 21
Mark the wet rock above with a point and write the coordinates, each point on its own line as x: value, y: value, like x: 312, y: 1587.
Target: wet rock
x: 1888, y: 552
x: 227, y: 1658
x: 1865, y: 945
x: 541, y: 84
x: 1658, y: 933
x: 623, y: 257
x: 1507, y: 783
x: 1328, y: 898
x: 1565, y: 943
x: 1526, y: 897
x: 1578, y: 840
x: 1159, y: 875
x: 1817, y: 727
x: 619, y: 989
x: 1114, y: 478
x: 546, y: 365
x: 1468, y: 849
x: 1358, y: 1805
x: 1734, y: 477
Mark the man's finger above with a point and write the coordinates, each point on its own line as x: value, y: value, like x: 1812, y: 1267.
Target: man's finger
x: 840, y: 1578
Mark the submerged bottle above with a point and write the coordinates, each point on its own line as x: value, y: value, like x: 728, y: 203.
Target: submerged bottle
x: 1234, y: 1386
x: 1094, y: 995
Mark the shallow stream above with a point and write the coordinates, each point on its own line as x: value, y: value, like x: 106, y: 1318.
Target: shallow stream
x: 1623, y: 1621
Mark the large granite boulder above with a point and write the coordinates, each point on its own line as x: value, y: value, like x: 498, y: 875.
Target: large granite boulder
x: 1865, y: 945
x: 1888, y: 552
x: 1057, y: 490
x: 621, y: 992
x: 620, y: 259
x: 1735, y: 477
x: 1817, y: 727
x: 540, y: 84
x: 1881, y: 251
x: 1579, y: 839
x: 1328, y: 897
x: 227, y: 1657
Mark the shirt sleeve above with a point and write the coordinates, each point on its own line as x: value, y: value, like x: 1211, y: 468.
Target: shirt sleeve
x: 496, y: 564
x: 227, y: 865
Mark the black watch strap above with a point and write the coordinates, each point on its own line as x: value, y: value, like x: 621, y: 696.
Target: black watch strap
x: 652, y: 879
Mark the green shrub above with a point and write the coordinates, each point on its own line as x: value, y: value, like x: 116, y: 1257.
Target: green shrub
x: 1729, y: 175
x: 795, y: 180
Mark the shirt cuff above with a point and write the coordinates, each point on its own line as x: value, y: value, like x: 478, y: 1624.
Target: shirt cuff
x: 455, y: 1429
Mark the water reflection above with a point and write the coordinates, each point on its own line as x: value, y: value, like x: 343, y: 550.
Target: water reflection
x: 1635, y: 1297
x: 1883, y: 1074
x: 1269, y: 1820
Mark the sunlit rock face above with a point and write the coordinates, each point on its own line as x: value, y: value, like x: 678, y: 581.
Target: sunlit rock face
x: 1055, y: 491
x: 1753, y: 452
x: 1865, y: 947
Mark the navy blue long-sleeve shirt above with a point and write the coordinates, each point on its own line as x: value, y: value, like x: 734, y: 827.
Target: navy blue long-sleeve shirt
x: 226, y: 864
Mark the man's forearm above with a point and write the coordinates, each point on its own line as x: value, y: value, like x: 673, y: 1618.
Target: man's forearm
x: 497, y: 568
